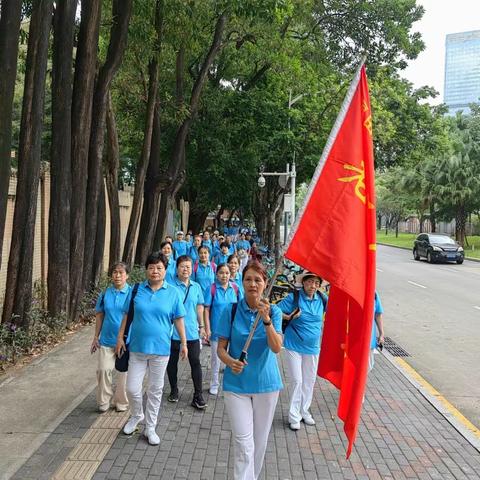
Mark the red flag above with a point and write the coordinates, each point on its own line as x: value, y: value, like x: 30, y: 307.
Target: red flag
x: 334, y: 236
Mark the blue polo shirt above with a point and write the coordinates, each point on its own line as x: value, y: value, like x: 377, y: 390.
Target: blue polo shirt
x: 238, y: 280
x: 112, y: 309
x: 180, y: 247
x: 221, y: 258
x: 303, y: 333
x: 193, y: 253
x: 204, y: 275
x: 262, y: 374
x: 220, y: 303
x: 154, y: 312
x: 245, y: 244
x: 377, y: 309
x: 171, y: 273
x: 190, y: 300
x: 231, y: 249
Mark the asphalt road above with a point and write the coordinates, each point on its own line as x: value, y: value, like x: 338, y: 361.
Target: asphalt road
x: 433, y: 312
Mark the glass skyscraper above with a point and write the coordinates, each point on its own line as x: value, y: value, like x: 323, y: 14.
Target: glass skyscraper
x: 462, y: 70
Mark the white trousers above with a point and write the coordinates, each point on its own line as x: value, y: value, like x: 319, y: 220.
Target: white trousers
x: 215, y: 364
x: 138, y: 366
x: 105, y: 368
x: 303, y: 373
x: 251, y: 418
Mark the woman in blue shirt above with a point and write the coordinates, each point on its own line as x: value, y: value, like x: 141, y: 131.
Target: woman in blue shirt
x: 218, y: 299
x: 302, y: 346
x: 192, y: 296
x: 251, y: 389
x: 167, y: 249
x: 204, y: 271
x: 109, y: 314
x: 157, y: 306
x: 235, y: 274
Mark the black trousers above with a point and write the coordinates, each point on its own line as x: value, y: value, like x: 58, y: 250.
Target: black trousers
x: 195, y: 366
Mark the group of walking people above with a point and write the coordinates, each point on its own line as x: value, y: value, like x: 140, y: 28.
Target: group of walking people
x: 187, y: 297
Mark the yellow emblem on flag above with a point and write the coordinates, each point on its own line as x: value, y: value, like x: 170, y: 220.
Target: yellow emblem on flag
x: 359, y: 178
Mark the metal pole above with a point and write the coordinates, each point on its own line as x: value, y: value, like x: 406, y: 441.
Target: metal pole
x: 293, y: 175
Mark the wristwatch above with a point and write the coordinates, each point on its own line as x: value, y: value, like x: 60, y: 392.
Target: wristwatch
x: 267, y: 323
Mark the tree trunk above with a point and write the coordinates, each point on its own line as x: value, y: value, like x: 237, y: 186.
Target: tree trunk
x: 219, y: 218
x: 176, y: 169
x: 98, y: 253
x: 151, y: 196
x: 18, y: 292
x: 9, y: 29
x: 112, y: 166
x: 460, y: 220
x: 142, y: 165
x: 121, y: 12
x: 60, y: 162
x: 196, y: 220
x: 83, y: 85
x: 433, y: 219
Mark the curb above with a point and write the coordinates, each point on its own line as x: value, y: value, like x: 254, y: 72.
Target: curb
x: 471, y: 259
x: 463, y: 426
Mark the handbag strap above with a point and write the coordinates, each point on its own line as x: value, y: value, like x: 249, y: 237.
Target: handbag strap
x: 186, y: 295
x: 131, y: 311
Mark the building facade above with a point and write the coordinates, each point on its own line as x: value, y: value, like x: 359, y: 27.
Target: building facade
x: 462, y: 70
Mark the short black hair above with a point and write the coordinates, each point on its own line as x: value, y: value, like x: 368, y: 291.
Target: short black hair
x: 156, y: 257
x: 116, y: 265
x: 164, y: 243
x: 224, y: 244
x: 184, y: 258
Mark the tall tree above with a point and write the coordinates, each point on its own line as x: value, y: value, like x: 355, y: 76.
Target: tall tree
x: 142, y: 164
x: 9, y: 29
x: 83, y: 86
x: 112, y: 163
x: 18, y: 293
x: 121, y: 12
x: 60, y: 160
x: 176, y: 168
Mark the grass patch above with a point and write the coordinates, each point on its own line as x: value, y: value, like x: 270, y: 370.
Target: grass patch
x: 406, y: 240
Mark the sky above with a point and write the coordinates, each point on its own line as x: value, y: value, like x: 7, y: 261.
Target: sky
x: 441, y: 17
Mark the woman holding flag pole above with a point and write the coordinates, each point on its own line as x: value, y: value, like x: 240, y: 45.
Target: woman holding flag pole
x: 251, y: 388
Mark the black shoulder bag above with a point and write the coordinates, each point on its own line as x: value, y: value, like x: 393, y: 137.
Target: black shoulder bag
x: 121, y: 363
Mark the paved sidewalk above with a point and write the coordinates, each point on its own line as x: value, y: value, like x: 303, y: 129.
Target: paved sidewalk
x: 401, y: 436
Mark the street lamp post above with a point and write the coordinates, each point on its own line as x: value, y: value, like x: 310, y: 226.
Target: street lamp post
x: 283, y: 179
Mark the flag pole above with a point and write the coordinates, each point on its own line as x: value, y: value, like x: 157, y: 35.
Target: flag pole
x: 278, y: 266
x: 326, y: 151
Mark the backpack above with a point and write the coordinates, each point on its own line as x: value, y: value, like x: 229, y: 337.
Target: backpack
x: 195, y: 267
x: 213, y: 289
x: 296, y: 297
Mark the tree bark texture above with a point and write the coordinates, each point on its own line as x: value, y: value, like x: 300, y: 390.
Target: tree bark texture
x: 9, y: 30
x: 142, y: 165
x: 100, y: 237
x: 176, y: 169
x: 121, y: 13
x: 84, y: 81
x: 18, y: 293
x: 60, y: 162
x: 151, y: 196
x: 112, y: 167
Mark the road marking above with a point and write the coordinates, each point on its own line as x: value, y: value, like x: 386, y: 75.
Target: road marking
x: 416, y: 284
x: 379, y: 270
x: 438, y: 396
x: 477, y: 307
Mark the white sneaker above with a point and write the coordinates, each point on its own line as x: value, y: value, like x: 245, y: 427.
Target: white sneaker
x: 295, y: 426
x: 103, y: 408
x: 151, y: 435
x: 213, y: 391
x: 308, y: 420
x: 132, y: 424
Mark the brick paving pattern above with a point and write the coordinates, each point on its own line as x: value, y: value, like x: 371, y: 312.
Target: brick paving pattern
x: 401, y: 437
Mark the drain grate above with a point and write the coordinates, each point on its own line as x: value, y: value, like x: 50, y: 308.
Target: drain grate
x: 394, y: 349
